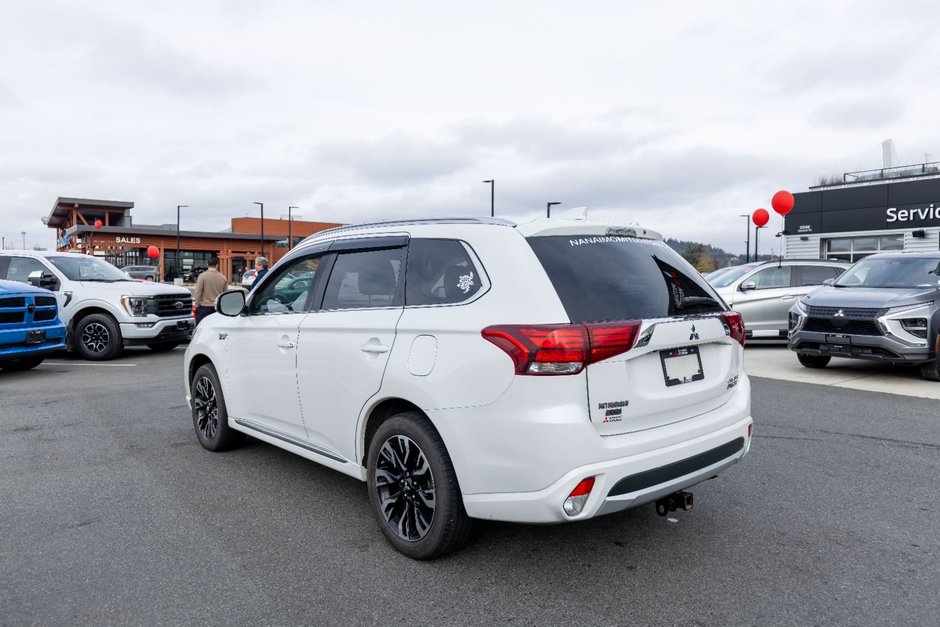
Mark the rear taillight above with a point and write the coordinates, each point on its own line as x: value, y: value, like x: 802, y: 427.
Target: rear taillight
x: 553, y: 349
x: 734, y: 325
x: 578, y: 497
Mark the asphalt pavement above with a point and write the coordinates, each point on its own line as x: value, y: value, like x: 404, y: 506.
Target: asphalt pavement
x: 111, y: 513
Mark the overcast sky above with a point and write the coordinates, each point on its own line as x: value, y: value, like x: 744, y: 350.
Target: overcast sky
x: 675, y: 115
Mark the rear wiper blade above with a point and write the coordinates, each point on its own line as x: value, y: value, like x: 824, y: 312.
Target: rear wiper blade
x: 698, y: 301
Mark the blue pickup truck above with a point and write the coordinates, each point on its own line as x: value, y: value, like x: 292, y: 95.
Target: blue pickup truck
x: 30, y: 327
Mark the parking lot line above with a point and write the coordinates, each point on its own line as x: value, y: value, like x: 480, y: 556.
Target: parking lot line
x: 85, y: 363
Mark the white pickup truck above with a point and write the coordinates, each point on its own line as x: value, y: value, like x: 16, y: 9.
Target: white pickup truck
x: 103, y: 308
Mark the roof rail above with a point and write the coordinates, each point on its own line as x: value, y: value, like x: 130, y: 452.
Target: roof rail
x: 366, y: 225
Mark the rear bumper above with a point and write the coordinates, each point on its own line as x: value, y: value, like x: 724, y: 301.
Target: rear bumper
x: 622, y: 483
x: 876, y: 347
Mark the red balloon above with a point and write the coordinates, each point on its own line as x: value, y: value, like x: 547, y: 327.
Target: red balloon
x: 97, y: 224
x: 782, y: 202
x: 153, y: 252
x: 760, y: 217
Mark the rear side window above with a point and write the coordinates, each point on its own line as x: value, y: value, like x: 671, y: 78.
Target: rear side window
x: 621, y: 278
x: 439, y: 272
x: 21, y: 267
x: 771, y: 278
x: 815, y: 275
x: 364, y: 279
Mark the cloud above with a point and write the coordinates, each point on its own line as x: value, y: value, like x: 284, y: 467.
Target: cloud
x: 858, y: 114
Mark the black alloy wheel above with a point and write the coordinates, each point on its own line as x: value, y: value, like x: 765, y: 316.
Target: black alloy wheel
x: 813, y: 361
x: 97, y: 337
x: 405, y: 486
x: 210, y: 418
x: 413, y: 488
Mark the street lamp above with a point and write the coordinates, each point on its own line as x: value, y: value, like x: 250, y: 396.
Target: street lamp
x: 23, y: 233
x: 290, y: 239
x: 492, y: 196
x: 179, y: 263
x: 747, y: 225
x: 262, y: 226
x: 548, y: 208
x: 756, y: 240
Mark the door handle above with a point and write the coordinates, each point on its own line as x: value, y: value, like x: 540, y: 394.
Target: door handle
x: 286, y: 344
x: 374, y: 348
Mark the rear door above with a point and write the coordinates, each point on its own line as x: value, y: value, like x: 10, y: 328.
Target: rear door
x: 683, y: 363
x: 765, y: 306
x: 344, y: 344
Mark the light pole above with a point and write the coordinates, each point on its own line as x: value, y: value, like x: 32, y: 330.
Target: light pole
x: 262, y: 226
x: 179, y: 263
x: 548, y: 208
x: 492, y: 183
x: 756, y: 240
x: 747, y: 225
x: 23, y: 233
x: 290, y: 239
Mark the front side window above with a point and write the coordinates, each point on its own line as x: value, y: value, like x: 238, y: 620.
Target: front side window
x: 289, y: 291
x: 21, y: 267
x: 816, y: 275
x: 440, y: 272
x: 364, y: 279
x: 771, y: 278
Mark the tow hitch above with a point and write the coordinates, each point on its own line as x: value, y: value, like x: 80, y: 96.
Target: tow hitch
x: 676, y: 500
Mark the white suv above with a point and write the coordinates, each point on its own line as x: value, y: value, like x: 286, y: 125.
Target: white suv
x: 102, y: 307
x: 473, y: 368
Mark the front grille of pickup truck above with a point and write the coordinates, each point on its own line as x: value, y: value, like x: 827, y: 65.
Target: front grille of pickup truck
x: 842, y: 326
x: 166, y: 305
x: 15, y: 301
x: 45, y: 301
x: 28, y: 309
x: 43, y: 315
x: 12, y: 317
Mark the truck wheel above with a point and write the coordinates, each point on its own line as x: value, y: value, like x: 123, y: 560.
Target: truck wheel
x: 98, y: 338
x: 930, y: 370
x: 162, y: 347
x: 813, y: 361
x: 25, y: 363
x: 413, y: 489
x: 210, y: 418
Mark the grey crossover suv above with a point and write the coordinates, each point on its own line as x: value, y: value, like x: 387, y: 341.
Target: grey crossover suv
x: 884, y: 307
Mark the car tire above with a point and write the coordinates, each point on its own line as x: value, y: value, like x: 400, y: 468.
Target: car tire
x: 98, y: 338
x: 210, y: 417
x: 413, y: 489
x: 162, y: 347
x: 813, y: 361
x: 930, y: 370
x: 24, y: 363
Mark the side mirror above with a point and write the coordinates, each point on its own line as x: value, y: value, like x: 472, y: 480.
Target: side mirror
x: 231, y: 303
x: 42, y: 279
x: 750, y: 285
x: 828, y: 281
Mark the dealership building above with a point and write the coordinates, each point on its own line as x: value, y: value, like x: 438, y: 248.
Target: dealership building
x: 105, y: 228
x: 892, y: 209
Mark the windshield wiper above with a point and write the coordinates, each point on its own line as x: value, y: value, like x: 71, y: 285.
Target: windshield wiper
x: 698, y: 301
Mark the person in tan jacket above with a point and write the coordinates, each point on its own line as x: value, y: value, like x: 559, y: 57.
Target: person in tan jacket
x: 209, y: 285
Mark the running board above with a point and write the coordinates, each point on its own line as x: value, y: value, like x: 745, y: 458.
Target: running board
x: 280, y: 435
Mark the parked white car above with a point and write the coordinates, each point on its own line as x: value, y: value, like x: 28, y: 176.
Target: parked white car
x: 103, y: 308
x: 544, y: 372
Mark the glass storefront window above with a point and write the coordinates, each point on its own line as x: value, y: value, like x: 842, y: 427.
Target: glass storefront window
x: 843, y: 245
x: 892, y: 242
x: 852, y: 249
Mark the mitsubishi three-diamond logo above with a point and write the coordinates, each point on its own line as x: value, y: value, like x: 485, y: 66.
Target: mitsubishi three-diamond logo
x: 839, y: 314
x: 694, y: 334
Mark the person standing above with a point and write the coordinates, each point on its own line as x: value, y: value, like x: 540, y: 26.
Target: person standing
x: 261, y: 265
x: 209, y: 285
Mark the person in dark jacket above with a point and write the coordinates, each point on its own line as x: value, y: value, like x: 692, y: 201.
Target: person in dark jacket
x: 261, y: 265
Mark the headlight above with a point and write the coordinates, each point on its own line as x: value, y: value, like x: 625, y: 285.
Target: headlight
x: 801, y: 305
x: 135, y: 306
x: 906, y: 308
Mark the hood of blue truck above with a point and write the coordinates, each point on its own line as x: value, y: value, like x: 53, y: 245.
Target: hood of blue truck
x: 15, y: 287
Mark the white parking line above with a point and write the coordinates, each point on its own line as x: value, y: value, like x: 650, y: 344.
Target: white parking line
x: 85, y: 363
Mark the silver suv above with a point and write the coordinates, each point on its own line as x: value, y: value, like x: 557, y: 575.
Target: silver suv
x: 763, y: 292
x: 885, y: 307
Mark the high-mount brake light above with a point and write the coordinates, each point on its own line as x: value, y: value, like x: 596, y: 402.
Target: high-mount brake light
x: 558, y: 349
x: 734, y: 325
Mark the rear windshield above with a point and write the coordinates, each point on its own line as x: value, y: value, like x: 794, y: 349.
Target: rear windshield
x: 621, y: 278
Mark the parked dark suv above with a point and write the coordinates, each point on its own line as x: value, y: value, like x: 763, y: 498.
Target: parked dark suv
x: 884, y: 307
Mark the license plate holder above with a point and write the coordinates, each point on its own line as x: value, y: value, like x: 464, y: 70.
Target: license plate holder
x: 182, y: 325
x: 838, y: 343
x: 681, y: 365
x: 36, y: 337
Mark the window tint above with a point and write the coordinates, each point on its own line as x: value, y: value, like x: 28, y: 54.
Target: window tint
x: 439, y: 272
x: 289, y: 291
x: 771, y: 278
x: 620, y: 278
x: 21, y: 267
x: 815, y: 275
x: 364, y: 279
